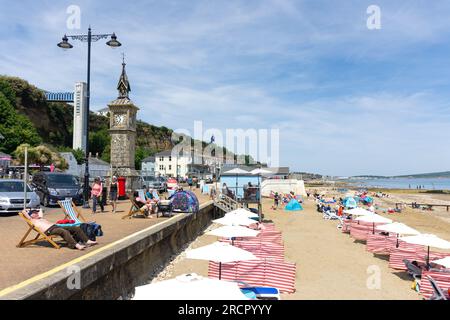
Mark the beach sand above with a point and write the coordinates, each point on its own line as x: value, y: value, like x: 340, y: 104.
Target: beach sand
x: 330, y: 264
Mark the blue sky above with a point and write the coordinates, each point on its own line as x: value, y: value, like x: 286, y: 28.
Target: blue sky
x: 347, y: 100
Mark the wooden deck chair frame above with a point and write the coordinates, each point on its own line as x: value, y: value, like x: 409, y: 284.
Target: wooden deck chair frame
x: 77, y: 212
x: 41, y: 236
x: 133, y: 209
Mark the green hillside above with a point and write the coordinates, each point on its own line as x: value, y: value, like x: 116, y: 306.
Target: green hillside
x: 27, y: 117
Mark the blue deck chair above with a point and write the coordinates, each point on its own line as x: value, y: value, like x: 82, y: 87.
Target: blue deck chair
x: 261, y: 293
x: 71, y: 212
x: 156, y: 195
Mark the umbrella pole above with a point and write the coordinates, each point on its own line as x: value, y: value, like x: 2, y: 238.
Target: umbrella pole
x: 428, y: 258
x: 220, y: 270
x: 373, y: 230
x: 397, y: 240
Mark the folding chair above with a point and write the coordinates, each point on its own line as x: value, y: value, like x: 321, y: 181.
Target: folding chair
x: 71, y: 212
x: 134, y: 209
x: 41, y: 236
x: 438, y: 293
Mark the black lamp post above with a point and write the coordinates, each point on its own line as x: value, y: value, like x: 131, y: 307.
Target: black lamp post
x: 64, y: 44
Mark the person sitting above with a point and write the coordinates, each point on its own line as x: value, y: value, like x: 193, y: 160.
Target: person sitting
x: 74, y: 236
x: 144, y: 207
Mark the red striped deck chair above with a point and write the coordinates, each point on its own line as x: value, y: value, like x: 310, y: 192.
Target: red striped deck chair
x: 397, y: 255
x: 267, y: 273
x: 442, y: 279
x: 360, y: 231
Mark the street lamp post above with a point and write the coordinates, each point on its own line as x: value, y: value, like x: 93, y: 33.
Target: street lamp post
x: 64, y: 44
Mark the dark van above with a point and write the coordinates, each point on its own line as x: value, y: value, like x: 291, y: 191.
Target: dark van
x: 54, y: 186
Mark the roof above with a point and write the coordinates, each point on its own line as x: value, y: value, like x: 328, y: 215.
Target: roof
x: 164, y: 153
x: 98, y: 161
x: 279, y: 170
x: 149, y: 159
x: 4, y: 154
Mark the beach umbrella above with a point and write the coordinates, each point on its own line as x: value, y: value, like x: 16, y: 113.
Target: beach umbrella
x: 190, y: 287
x: 358, y: 212
x: 443, y: 262
x: 220, y: 252
x: 398, y: 228
x: 374, y: 218
x: 428, y: 240
x: 233, y: 232
x: 241, y: 212
x: 236, y: 220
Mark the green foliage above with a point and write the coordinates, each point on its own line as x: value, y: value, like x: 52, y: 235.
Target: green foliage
x: 41, y: 155
x: 141, y: 154
x: 15, y: 128
x: 77, y: 153
x: 98, y: 141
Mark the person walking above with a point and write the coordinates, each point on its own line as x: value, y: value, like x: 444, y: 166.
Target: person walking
x: 96, y: 193
x: 113, y: 187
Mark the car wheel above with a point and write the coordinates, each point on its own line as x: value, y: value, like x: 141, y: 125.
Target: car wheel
x: 46, y: 201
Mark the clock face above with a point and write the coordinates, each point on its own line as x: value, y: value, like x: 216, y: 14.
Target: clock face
x: 119, y: 119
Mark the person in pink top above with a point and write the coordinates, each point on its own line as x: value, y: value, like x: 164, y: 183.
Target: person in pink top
x: 96, y: 193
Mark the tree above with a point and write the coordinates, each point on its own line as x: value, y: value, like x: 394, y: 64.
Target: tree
x: 141, y: 154
x: 41, y: 155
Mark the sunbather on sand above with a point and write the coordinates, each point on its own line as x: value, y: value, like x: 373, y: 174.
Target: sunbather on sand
x: 74, y: 236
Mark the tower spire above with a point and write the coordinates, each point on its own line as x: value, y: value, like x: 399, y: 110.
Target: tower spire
x: 124, y: 85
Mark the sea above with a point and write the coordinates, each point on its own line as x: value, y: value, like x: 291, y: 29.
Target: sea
x: 402, y: 183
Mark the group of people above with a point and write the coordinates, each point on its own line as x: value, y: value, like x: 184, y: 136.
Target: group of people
x: 147, y: 205
x: 282, y: 198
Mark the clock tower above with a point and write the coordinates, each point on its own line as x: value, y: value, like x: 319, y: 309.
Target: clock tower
x: 122, y: 112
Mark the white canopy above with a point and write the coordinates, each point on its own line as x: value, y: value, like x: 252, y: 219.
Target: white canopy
x: 236, y: 220
x: 358, y: 212
x: 373, y: 218
x: 241, y: 212
x: 429, y: 240
x: 398, y: 228
x: 233, y: 231
x: 261, y: 171
x: 443, y: 262
x: 220, y: 252
x: 190, y: 287
x: 237, y: 171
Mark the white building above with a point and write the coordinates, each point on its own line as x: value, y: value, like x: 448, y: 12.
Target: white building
x: 79, y: 116
x: 168, y: 165
x: 103, y: 112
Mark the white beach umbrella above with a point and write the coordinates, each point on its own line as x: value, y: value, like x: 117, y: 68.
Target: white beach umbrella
x: 443, y: 262
x: 398, y: 228
x: 358, y: 212
x: 190, y: 287
x: 236, y: 171
x: 235, y: 221
x: 261, y: 171
x: 241, y: 212
x: 428, y: 240
x: 220, y: 252
x: 374, y: 218
x: 233, y: 232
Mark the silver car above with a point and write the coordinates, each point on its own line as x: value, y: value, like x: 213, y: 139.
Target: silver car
x: 12, y: 196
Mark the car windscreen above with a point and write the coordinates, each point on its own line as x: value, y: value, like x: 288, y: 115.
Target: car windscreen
x: 62, y: 179
x: 149, y: 178
x: 12, y: 186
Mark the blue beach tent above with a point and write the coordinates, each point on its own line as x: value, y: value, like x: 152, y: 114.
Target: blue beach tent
x: 293, y: 205
x: 349, y: 202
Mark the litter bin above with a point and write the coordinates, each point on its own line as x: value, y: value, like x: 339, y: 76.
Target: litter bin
x: 121, y: 181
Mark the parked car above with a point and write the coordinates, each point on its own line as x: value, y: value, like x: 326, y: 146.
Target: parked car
x: 52, y: 187
x: 157, y: 183
x: 12, y: 196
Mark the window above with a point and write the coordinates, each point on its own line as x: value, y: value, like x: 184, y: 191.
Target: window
x: 161, y: 167
x: 170, y: 158
x: 170, y: 167
x: 161, y: 158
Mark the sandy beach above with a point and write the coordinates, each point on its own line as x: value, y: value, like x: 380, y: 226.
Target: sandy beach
x: 330, y: 264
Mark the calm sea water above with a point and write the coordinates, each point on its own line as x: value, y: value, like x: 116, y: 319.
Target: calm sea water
x: 403, y: 183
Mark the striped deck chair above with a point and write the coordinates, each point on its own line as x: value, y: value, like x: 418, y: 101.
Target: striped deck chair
x: 266, y: 273
x: 134, y: 208
x: 360, y: 231
x: 71, y: 212
x: 346, y: 226
x: 40, y: 236
x: 141, y: 194
x: 441, y: 279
